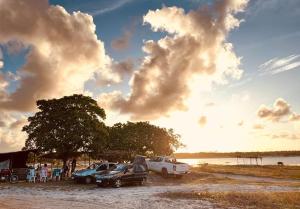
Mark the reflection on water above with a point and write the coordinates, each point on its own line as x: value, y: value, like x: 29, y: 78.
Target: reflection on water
x: 243, y: 161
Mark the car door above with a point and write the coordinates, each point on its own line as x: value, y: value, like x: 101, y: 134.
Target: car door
x: 101, y: 169
x: 153, y: 164
x: 158, y: 164
x: 139, y: 173
x: 128, y: 175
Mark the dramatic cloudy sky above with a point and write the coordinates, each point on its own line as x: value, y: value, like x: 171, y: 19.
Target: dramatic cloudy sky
x: 224, y: 74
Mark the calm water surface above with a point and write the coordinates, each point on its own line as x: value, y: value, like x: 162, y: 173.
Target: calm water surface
x: 243, y: 161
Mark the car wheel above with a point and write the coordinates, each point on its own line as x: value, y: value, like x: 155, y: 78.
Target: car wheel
x: 164, y: 172
x: 13, y: 179
x: 88, y: 180
x: 118, y: 183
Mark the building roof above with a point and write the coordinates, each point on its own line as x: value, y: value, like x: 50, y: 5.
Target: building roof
x: 17, y: 159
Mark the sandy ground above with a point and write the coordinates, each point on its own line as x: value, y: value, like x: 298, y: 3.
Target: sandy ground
x: 26, y: 195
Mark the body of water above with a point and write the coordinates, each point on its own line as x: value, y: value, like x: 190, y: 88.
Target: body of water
x: 295, y: 160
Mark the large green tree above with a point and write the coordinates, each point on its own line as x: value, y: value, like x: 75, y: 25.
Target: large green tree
x: 67, y: 125
x: 143, y: 138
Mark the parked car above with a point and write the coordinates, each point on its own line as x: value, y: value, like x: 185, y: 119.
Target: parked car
x: 88, y: 175
x: 123, y: 174
x: 167, y: 166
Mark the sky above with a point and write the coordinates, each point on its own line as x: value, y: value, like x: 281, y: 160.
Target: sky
x: 224, y: 74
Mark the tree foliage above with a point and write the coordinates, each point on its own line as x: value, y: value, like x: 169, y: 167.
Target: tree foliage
x: 66, y: 125
x: 142, y: 138
x: 75, y: 123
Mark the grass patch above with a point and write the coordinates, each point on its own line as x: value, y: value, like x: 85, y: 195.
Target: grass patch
x: 292, y: 172
x: 243, y: 200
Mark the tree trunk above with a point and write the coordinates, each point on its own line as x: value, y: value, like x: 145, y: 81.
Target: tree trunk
x: 64, y: 162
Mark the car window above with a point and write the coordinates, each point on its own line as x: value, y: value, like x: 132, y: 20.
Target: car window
x: 119, y: 167
x: 139, y: 168
x: 93, y: 166
x: 102, y: 167
x: 156, y: 159
x: 113, y: 167
x: 168, y: 160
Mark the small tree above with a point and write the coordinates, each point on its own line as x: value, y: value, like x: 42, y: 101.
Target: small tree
x: 143, y: 138
x: 67, y: 125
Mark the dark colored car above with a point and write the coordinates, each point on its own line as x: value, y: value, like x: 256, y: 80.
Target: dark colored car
x: 88, y: 175
x: 141, y: 160
x: 123, y: 174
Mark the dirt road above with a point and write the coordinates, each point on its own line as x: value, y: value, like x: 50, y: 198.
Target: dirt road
x: 145, y: 197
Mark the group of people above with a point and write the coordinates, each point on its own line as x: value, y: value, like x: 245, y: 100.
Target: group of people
x: 66, y: 168
x: 41, y: 173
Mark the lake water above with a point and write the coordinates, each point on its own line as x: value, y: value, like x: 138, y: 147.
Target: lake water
x: 243, y: 161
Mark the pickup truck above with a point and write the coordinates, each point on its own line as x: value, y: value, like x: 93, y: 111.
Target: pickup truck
x: 167, y: 166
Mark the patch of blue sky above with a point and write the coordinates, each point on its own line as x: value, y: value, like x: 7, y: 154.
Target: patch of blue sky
x: 268, y: 25
x: 13, y: 63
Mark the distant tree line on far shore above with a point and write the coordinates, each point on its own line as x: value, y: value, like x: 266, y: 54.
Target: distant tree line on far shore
x: 237, y: 154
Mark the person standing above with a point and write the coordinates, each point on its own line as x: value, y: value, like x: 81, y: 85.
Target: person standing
x: 44, y: 173
x: 73, y: 165
x: 67, y: 169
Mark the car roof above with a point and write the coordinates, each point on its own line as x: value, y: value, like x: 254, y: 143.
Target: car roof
x: 99, y: 163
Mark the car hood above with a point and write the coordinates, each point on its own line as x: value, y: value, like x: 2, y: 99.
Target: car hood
x: 85, y: 172
x: 109, y: 174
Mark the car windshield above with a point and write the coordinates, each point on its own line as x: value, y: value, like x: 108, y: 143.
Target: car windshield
x: 119, y: 167
x: 93, y: 166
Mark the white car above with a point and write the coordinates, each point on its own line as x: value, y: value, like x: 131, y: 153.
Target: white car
x: 167, y: 166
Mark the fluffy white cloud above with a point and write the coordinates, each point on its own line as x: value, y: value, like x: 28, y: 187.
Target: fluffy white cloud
x: 11, y: 136
x: 114, y: 72
x: 64, y: 51
x: 195, y: 45
x: 280, y: 110
x: 285, y: 135
x: 294, y: 117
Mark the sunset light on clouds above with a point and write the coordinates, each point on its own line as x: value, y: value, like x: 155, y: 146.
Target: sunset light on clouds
x: 223, y: 74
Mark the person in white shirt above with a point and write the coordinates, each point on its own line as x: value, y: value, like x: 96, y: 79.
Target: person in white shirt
x: 44, y: 173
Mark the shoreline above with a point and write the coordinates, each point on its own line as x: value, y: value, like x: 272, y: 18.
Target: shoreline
x: 196, y: 155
